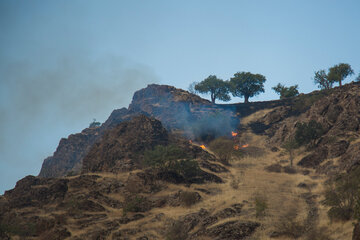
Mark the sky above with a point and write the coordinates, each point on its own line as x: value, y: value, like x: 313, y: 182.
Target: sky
x: 64, y: 63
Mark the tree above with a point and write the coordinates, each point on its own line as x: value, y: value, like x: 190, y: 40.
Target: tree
x: 339, y: 72
x: 94, y: 124
x: 217, y: 88
x: 308, y: 132
x: 289, y: 146
x: 191, y: 88
x: 286, y: 92
x: 322, y: 80
x: 246, y: 84
x: 357, y: 79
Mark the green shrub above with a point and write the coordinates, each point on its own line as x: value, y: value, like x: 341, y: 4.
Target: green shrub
x: 134, y: 204
x: 260, y: 205
x: 189, y: 198
x: 16, y: 227
x: 308, y: 132
x: 171, y: 158
x: 177, y: 231
x: 290, y: 145
x: 223, y: 148
x: 94, y: 124
x: 342, y: 194
x: 286, y: 92
x: 304, y: 102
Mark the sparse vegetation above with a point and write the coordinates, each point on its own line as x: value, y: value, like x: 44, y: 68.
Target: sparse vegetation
x: 17, y: 228
x: 261, y: 205
x: 171, y: 158
x: 133, y: 204
x: 177, y: 231
x: 342, y: 194
x: 94, y: 124
x: 223, y: 148
x: 289, y: 225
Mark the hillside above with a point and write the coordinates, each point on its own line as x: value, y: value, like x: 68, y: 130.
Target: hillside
x: 144, y: 175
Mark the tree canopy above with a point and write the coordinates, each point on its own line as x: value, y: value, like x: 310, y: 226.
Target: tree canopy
x: 339, y: 72
x: 286, y: 92
x: 246, y: 84
x: 217, y: 88
x: 322, y: 80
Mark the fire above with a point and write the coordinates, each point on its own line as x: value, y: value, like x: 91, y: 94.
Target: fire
x: 236, y: 147
x: 203, y: 146
x: 234, y: 134
x: 245, y: 146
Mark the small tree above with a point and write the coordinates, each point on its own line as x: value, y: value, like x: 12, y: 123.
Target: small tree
x: 322, y: 80
x: 290, y: 146
x: 342, y: 194
x: 191, y: 87
x: 94, y: 124
x: 217, y: 88
x: 286, y: 92
x: 339, y: 72
x: 246, y: 84
x: 308, y: 132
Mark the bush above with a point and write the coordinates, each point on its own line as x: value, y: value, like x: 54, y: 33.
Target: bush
x: 171, y: 158
x: 189, y: 198
x: 260, y: 205
x: 134, y: 204
x: 223, y: 148
x: 286, y: 92
x: 177, y: 231
x: 94, y: 124
x: 342, y: 194
x: 289, y: 225
x: 308, y: 132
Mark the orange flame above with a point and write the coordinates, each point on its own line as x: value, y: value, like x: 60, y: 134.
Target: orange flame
x: 203, y: 146
x: 234, y: 134
x: 236, y: 147
x: 245, y: 146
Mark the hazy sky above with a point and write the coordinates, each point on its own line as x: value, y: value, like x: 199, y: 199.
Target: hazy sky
x: 63, y: 63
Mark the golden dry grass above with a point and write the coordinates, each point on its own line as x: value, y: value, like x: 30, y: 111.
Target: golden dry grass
x: 245, y: 180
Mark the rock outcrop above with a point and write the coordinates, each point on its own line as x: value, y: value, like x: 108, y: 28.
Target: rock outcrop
x: 178, y: 110
x: 121, y: 148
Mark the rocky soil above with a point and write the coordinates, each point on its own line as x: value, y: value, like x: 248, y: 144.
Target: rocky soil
x: 96, y: 186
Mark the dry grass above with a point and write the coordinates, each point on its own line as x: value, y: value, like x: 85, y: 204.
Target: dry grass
x: 246, y: 178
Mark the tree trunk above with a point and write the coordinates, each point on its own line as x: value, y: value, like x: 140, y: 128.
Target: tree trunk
x: 213, y: 98
x: 340, y: 83
x: 246, y: 99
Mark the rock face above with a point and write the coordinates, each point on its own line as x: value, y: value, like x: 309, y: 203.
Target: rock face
x: 120, y: 148
x: 69, y: 152
x: 175, y: 108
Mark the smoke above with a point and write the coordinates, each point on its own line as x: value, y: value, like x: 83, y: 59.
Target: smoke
x: 42, y: 101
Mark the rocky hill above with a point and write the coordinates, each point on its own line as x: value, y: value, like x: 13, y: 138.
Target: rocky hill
x: 178, y: 110
x: 152, y: 172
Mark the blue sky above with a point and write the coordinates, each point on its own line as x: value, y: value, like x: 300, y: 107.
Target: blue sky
x: 63, y: 63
